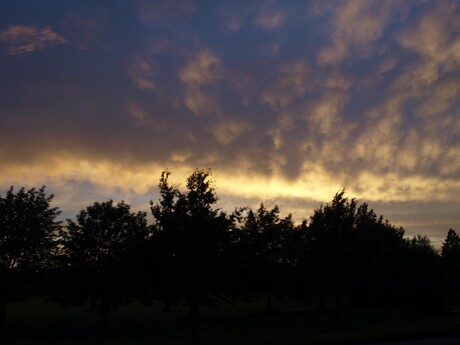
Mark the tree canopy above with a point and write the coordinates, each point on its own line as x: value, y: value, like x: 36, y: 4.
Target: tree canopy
x: 194, y: 254
x: 192, y: 235
x: 28, y: 225
x: 95, y: 251
x: 28, y: 229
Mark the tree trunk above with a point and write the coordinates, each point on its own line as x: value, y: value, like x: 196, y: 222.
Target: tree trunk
x: 338, y: 286
x: 105, y: 316
x: 269, y: 302
x: 338, y: 307
x: 194, y: 312
x: 321, y: 298
x: 3, y: 299
x: 3, y: 308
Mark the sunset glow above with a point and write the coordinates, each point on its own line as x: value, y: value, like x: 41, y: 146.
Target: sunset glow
x: 286, y: 102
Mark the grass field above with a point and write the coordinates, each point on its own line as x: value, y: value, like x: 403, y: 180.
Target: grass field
x: 35, y: 322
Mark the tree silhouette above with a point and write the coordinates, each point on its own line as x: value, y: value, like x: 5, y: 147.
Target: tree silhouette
x: 450, y: 253
x: 96, y: 248
x: 356, y: 254
x: 191, y: 237
x: 421, y: 277
x: 263, y: 244
x: 331, y: 229
x: 28, y: 228
x: 376, y: 254
x: 194, y: 254
x: 450, y: 250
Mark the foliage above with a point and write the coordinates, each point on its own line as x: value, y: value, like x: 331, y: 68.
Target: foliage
x: 195, y: 254
x: 450, y: 250
x: 450, y: 253
x: 331, y: 229
x: 27, y: 231
x: 97, y: 248
x: 264, y: 251
x: 355, y: 254
x: 421, y: 278
x: 377, y: 249
x: 191, y: 237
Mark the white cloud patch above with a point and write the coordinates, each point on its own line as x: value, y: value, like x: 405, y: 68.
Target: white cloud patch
x: 324, y: 115
x: 23, y: 39
x: 226, y: 131
x: 387, y: 65
x: 202, y: 70
x: 336, y: 79
x: 283, y: 100
x: 270, y: 19
x: 436, y: 38
x: 441, y: 98
x: 355, y: 27
x: 137, y: 112
x: 292, y: 82
x: 231, y: 20
x: 378, y: 145
x: 142, y: 73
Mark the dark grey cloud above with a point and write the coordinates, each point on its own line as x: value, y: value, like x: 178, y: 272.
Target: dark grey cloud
x: 284, y: 101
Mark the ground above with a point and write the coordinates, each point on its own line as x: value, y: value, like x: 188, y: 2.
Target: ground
x: 35, y: 322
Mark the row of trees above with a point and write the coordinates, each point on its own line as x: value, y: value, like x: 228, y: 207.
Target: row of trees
x: 194, y: 253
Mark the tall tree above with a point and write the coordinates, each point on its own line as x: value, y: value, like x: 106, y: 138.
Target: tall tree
x: 450, y: 253
x: 377, y: 250
x: 96, y: 249
x: 192, y: 236
x: 421, y: 279
x: 331, y: 228
x: 263, y: 244
x: 354, y: 253
x: 450, y: 250
x: 28, y: 227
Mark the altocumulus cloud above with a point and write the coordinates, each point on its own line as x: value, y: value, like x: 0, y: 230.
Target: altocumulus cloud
x: 23, y: 39
x: 287, y: 102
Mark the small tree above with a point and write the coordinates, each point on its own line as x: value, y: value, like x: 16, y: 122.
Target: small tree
x: 28, y: 228
x: 450, y: 250
x: 96, y: 248
x: 450, y: 253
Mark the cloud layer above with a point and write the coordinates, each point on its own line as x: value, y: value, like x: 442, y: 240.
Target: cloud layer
x: 286, y: 102
x: 22, y: 39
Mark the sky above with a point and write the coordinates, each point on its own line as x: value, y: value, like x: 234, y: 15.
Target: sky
x: 287, y: 102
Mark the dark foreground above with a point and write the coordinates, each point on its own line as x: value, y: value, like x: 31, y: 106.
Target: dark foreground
x: 437, y: 341
x: 34, y: 322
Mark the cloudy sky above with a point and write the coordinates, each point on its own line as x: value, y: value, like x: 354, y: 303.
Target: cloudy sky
x: 286, y: 101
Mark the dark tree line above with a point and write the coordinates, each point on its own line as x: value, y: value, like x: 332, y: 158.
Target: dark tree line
x: 28, y: 229
x: 195, y: 254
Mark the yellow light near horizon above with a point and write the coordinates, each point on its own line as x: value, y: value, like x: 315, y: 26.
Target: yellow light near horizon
x: 313, y: 184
